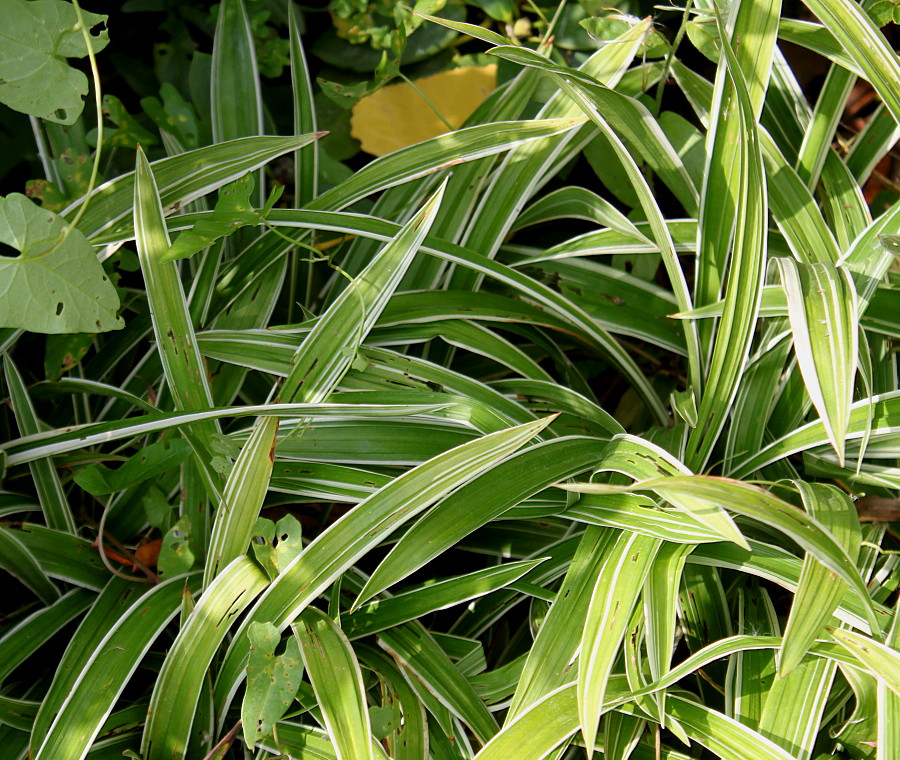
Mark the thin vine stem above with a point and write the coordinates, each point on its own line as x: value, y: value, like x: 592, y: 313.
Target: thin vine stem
x: 98, y: 105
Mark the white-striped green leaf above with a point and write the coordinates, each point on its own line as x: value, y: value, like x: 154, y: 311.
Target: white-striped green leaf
x: 439, y: 153
x: 18, y: 561
x: 493, y: 493
x: 237, y: 109
x: 330, y: 348
x: 182, y: 179
x: 337, y: 681
x: 107, y: 610
x: 616, y: 593
x: 559, y: 637
x: 879, y: 660
x: 27, y: 635
x: 879, y: 415
x: 865, y: 44
x: 746, y: 269
x: 306, y: 159
x: 344, y: 542
x: 242, y: 498
x: 50, y: 492
x: 51, y: 443
x: 168, y: 727
x: 535, y: 733
x: 795, y: 704
x: 416, y: 603
x: 108, y: 671
x: 416, y: 650
x: 822, y: 309
x: 754, y: 502
x: 819, y: 592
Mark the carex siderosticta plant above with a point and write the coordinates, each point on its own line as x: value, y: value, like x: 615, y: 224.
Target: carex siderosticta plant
x: 569, y: 431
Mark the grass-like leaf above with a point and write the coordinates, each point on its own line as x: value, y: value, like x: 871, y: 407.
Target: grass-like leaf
x: 822, y: 307
x: 337, y: 680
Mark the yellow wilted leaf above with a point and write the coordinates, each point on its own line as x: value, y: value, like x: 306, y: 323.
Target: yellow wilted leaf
x: 396, y: 116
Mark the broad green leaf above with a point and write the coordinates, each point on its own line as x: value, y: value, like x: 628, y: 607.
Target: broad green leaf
x: 822, y: 308
x: 167, y: 731
x: 337, y: 680
x: 51, y: 286
x: 282, y: 542
x: 272, y: 682
x: 148, y: 462
x: 616, y: 593
x: 608, y: 28
x: 361, y: 529
x: 176, y: 555
x: 234, y: 209
x: 108, y: 671
x: 36, y: 40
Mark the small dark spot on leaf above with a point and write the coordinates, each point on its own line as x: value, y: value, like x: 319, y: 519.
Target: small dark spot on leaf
x: 59, y: 308
x: 60, y: 113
